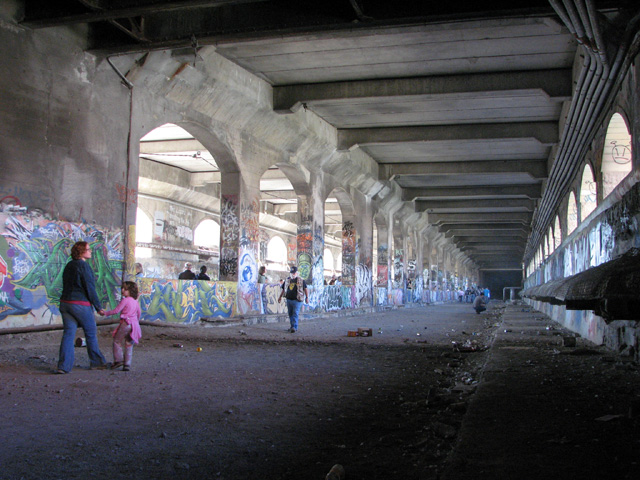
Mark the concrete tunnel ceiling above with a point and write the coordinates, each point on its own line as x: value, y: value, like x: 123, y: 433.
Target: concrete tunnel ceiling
x: 460, y: 103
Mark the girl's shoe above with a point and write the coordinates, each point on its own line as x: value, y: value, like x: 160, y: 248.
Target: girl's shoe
x: 116, y: 365
x: 126, y: 368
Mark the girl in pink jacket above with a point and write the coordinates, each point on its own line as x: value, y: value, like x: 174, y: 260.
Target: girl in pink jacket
x: 128, y: 332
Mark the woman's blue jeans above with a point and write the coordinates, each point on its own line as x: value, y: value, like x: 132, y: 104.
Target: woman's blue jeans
x: 293, y: 309
x: 74, y: 316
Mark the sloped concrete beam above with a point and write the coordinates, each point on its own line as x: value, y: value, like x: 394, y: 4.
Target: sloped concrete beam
x: 545, y: 132
x: 530, y: 191
x: 555, y: 84
x: 536, y: 168
x: 516, y: 217
x: 515, y: 204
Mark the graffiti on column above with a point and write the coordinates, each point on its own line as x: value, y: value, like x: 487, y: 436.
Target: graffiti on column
x: 315, y: 297
x: 383, y: 267
x: 248, y: 292
x: 33, y: 252
x: 229, y: 238
x: 305, y: 248
x: 250, y: 231
x: 292, y: 250
x: 398, y: 268
x: 363, y: 285
x: 264, y: 242
x: 317, y: 270
x: 348, y: 253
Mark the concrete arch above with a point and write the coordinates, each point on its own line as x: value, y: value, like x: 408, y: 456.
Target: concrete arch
x: 588, y: 200
x: 223, y: 155
x: 616, y: 159
x: 571, y: 213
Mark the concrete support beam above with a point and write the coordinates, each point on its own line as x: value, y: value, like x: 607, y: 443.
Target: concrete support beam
x: 485, y: 239
x: 529, y: 191
x: 535, y: 168
x: 515, y: 217
x: 545, y: 132
x: 434, y: 206
x: 551, y: 83
x: 171, y: 146
x: 446, y: 227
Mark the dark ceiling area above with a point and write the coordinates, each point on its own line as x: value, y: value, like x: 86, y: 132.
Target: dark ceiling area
x: 461, y: 104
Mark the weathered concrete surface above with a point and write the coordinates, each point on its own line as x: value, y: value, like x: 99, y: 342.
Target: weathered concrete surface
x: 543, y: 410
x: 258, y: 402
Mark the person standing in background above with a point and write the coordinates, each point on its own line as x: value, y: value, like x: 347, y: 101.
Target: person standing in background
x: 262, y: 274
x: 187, y: 274
x: 295, y: 290
x: 203, y: 274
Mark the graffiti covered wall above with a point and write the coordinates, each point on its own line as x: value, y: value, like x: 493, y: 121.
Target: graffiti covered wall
x: 34, y: 249
x: 186, y: 301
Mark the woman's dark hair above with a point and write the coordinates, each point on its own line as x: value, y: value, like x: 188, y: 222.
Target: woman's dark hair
x: 78, y: 249
x: 132, y: 288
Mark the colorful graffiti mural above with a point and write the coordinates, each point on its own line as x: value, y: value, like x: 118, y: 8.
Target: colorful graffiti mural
x: 34, y: 250
x: 186, y: 301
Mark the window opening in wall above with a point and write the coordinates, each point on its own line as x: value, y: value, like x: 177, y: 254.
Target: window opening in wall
x: 328, y: 264
x: 550, y: 242
x: 616, y: 154
x: 572, y: 214
x: 588, y: 193
x: 277, y: 255
x: 557, y: 233
x: 144, y: 233
x: 207, y: 235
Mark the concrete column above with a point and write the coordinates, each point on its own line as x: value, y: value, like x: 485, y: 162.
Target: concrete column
x: 349, y: 235
x: 240, y: 237
x: 310, y: 239
x: 383, y: 256
x: 418, y: 281
x: 398, y: 258
x: 364, y: 250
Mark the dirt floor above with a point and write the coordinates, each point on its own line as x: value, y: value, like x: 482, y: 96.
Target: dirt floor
x: 258, y: 402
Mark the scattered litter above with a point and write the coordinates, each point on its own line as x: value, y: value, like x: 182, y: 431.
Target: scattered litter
x: 199, y: 349
x: 365, y: 332
x: 242, y: 332
x: 81, y: 342
x: 336, y: 473
x: 468, y: 346
x: 178, y: 345
x: 608, y: 418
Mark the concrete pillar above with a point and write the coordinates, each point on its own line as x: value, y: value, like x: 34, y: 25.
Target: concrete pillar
x: 364, y: 249
x: 310, y: 239
x: 398, y: 257
x: 240, y: 237
x: 349, y: 234
x: 383, y: 255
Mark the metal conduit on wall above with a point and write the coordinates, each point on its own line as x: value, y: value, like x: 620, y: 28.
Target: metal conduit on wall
x: 595, y: 82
